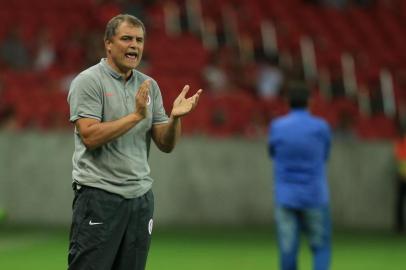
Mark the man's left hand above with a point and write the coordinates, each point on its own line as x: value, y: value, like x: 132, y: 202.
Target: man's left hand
x: 183, y: 105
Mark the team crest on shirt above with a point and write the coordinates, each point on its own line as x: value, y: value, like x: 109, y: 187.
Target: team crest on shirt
x: 150, y: 225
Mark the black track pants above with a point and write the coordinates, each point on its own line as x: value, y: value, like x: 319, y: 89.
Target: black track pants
x: 110, y: 232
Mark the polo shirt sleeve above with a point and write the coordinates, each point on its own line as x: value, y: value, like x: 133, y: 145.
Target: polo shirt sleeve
x: 85, y: 99
x: 158, y: 115
x: 327, y: 135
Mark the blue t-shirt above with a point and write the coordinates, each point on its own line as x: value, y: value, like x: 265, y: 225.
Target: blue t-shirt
x: 299, y: 145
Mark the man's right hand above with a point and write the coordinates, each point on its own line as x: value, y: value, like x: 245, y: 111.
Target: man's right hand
x: 141, y: 99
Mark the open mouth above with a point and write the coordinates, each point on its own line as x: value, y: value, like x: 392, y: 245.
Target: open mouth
x: 131, y: 55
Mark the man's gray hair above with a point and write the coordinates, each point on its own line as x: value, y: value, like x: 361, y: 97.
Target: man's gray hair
x: 115, y: 22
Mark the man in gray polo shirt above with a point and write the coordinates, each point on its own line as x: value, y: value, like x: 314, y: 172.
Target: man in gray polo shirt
x: 117, y: 110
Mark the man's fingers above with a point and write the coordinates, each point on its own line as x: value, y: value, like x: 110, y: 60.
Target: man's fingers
x: 185, y: 90
x: 145, y: 86
x: 197, y: 96
x: 143, y: 91
x: 199, y: 92
x: 147, y: 82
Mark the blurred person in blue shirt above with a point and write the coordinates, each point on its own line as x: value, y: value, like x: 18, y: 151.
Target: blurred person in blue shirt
x: 299, y: 145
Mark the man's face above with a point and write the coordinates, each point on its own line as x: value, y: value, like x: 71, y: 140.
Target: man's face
x: 124, y: 50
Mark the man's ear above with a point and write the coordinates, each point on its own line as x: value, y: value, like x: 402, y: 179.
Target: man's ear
x: 107, y: 45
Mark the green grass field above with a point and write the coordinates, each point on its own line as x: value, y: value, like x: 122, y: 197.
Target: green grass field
x: 40, y: 249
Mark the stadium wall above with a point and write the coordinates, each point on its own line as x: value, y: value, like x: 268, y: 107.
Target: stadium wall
x: 205, y: 181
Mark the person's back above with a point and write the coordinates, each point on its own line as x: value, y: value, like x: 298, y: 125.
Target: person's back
x: 299, y: 145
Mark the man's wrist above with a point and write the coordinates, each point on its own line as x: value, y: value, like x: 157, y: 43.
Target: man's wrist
x: 174, y: 118
x: 136, y: 116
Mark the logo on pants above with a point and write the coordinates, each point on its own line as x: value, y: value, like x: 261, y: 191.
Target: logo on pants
x: 150, y: 225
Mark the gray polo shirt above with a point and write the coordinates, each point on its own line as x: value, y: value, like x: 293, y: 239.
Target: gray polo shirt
x: 120, y: 166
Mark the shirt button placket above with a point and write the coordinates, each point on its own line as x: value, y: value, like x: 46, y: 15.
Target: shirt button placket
x: 127, y: 99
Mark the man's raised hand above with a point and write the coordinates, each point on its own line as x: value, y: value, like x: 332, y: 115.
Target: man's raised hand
x: 141, y: 98
x: 183, y: 105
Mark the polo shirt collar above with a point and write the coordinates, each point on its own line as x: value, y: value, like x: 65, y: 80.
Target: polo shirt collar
x: 111, y: 71
x: 300, y: 111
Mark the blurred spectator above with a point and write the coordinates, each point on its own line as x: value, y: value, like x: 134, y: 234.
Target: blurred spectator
x: 337, y: 88
x: 364, y: 3
x: 94, y: 50
x: 400, y: 157
x: 104, y: 10
x: 345, y: 127
x: 7, y: 112
x: 133, y: 7
x: 344, y: 3
x: 73, y: 51
x: 13, y: 51
x: 270, y: 78
x: 8, y: 119
x: 215, y: 74
x: 375, y: 97
x: 66, y: 80
x: 329, y: 3
x: 45, y: 52
x: 335, y: 3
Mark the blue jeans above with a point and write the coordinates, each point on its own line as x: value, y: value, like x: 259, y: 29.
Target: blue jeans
x: 315, y: 223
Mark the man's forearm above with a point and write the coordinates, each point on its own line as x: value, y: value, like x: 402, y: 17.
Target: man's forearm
x: 97, y: 134
x: 168, y: 135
